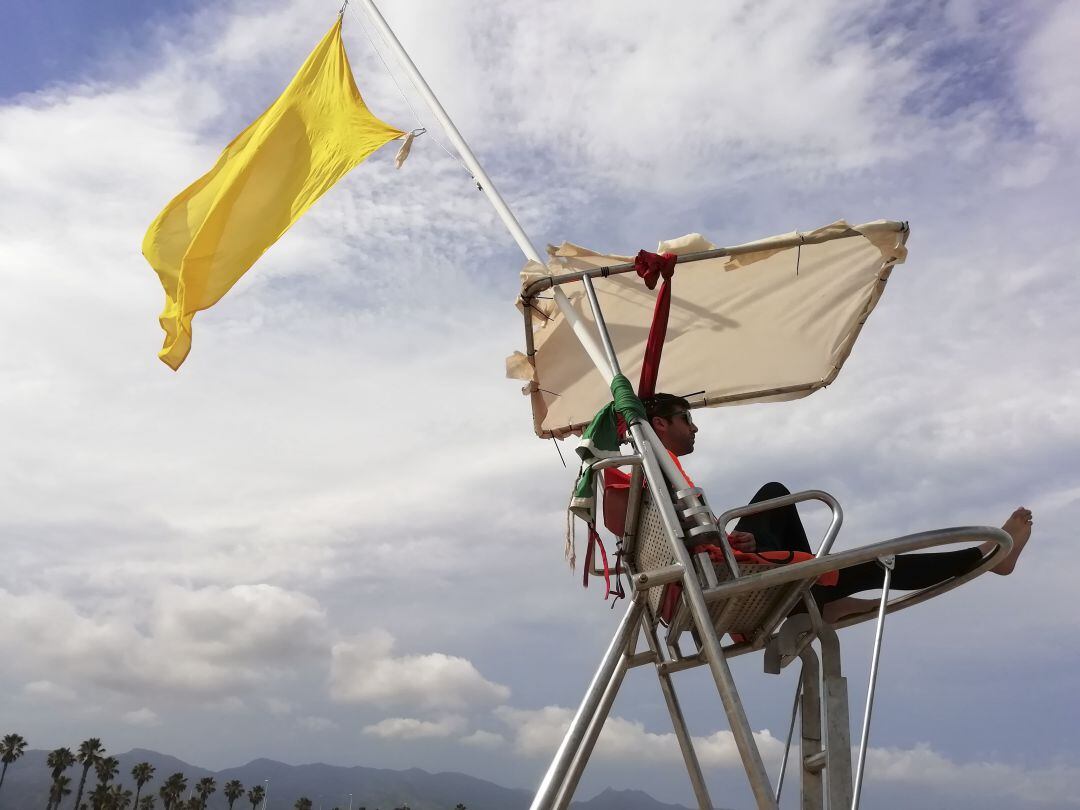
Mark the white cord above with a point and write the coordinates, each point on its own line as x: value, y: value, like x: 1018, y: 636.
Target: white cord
x: 393, y: 78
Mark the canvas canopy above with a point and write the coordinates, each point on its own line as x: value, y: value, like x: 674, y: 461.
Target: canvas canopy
x: 764, y: 321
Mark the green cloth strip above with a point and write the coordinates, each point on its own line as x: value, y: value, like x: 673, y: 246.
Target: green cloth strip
x: 626, y: 401
x: 601, y: 440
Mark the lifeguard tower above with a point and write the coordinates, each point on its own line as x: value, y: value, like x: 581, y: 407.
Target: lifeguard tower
x: 764, y: 321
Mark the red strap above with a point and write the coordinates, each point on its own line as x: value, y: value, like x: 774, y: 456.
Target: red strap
x: 607, y: 570
x: 594, y: 542
x: 651, y: 266
x: 593, y: 537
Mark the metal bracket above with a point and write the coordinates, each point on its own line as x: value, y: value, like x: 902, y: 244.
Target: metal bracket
x: 785, y: 646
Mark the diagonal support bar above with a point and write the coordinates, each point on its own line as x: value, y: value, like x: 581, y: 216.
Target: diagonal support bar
x: 575, y: 735
x: 888, y: 563
x: 678, y: 722
x: 592, y: 734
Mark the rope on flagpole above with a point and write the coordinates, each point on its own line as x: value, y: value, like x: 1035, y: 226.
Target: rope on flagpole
x: 421, y: 129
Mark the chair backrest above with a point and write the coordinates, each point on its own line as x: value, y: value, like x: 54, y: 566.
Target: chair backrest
x: 647, y: 548
x: 647, y: 545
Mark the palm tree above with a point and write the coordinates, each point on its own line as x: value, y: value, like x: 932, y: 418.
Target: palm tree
x: 89, y: 752
x: 118, y: 798
x: 147, y: 803
x: 234, y: 789
x: 206, y: 786
x: 99, y: 796
x: 106, y: 769
x: 141, y: 773
x: 255, y: 795
x: 58, y: 761
x: 12, y: 747
x: 303, y: 803
x: 173, y: 788
x: 61, y: 787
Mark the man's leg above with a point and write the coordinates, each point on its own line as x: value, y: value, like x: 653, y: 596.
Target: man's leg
x: 913, y: 572
x: 778, y: 529
x: 918, y: 571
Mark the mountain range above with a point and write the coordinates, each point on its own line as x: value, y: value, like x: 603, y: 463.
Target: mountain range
x: 328, y: 786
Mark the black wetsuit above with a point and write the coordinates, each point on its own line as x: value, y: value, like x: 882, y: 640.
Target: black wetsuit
x: 781, y: 530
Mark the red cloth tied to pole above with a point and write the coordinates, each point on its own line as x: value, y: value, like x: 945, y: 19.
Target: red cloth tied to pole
x: 651, y: 267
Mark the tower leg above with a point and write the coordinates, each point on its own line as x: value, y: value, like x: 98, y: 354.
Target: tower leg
x: 682, y: 734
x: 729, y: 696
x: 564, y: 756
x: 813, y: 796
x: 592, y: 734
x: 837, y: 728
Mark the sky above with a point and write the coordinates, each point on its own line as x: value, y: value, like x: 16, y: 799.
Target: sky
x: 332, y: 535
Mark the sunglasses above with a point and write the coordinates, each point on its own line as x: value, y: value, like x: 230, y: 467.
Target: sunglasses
x: 684, y: 415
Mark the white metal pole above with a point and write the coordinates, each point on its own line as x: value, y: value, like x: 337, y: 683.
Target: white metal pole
x: 587, y: 340
x: 889, y: 563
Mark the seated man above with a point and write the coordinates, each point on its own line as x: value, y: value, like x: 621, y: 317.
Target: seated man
x: 781, y: 530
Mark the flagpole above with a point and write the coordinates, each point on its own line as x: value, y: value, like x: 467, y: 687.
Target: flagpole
x: 483, y: 182
x: 592, y: 347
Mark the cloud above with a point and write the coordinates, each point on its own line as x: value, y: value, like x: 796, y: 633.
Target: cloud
x: 317, y: 723
x: 278, y: 706
x: 750, y: 86
x: 1053, y: 785
x: 408, y: 728
x: 485, y: 739
x: 364, y: 670
x: 538, y: 732
x: 143, y: 718
x: 47, y: 691
x: 205, y: 640
x: 1047, y: 76
x: 229, y: 704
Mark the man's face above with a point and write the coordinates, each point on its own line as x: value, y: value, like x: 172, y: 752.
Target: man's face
x: 676, y: 432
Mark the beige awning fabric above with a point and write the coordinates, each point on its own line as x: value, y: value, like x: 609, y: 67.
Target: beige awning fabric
x: 766, y: 321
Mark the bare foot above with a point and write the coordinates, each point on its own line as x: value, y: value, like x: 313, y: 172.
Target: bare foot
x: 1018, y: 527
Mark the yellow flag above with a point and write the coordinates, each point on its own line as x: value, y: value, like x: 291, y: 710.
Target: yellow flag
x: 264, y: 181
